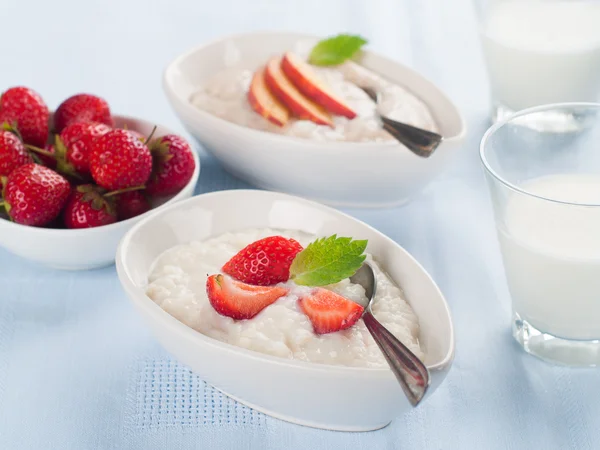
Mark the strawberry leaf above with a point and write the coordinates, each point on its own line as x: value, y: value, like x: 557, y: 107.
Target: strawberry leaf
x: 12, y: 128
x: 161, y: 152
x: 327, y: 261
x: 335, y: 50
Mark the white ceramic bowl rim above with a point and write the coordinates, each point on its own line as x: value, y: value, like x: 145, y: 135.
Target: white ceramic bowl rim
x: 103, y: 228
x: 350, y: 146
x: 190, y: 334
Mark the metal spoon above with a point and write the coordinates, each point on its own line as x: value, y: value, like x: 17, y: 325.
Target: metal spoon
x: 421, y: 142
x: 408, y: 369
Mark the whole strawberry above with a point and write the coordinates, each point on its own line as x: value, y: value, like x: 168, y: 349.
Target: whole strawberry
x: 74, y: 144
x: 118, y: 161
x: 264, y: 262
x: 131, y: 204
x: 87, y: 208
x: 173, y: 165
x: 82, y: 108
x: 25, y: 109
x: 34, y: 195
x: 12, y: 153
x: 137, y: 135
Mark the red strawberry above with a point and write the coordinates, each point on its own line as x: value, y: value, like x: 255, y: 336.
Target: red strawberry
x: 137, y: 135
x: 12, y: 153
x: 330, y: 312
x: 34, y: 195
x: 173, y: 165
x: 24, y: 108
x: 131, y: 204
x: 264, y: 262
x: 87, y: 208
x: 74, y: 144
x: 239, y: 300
x: 82, y: 108
x: 118, y: 161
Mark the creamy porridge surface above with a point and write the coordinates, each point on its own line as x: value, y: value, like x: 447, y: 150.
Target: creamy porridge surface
x: 224, y: 95
x: 177, y: 283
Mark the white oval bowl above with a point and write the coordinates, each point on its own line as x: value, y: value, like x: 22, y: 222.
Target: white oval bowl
x: 341, y: 173
x: 317, y: 395
x: 91, y: 247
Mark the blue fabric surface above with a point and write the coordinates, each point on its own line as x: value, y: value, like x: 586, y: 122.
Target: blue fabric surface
x: 78, y: 368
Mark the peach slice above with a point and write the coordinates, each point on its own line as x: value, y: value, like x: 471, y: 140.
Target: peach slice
x: 287, y: 93
x: 307, y: 82
x: 264, y: 102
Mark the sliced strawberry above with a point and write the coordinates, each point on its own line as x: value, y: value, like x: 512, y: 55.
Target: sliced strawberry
x: 264, y: 262
x: 239, y: 300
x: 330, y: 312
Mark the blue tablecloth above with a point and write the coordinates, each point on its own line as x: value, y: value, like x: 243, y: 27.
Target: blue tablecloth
x: 78, y: 368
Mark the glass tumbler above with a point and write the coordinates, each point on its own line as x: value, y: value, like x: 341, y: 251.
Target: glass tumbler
x: 539, y: 52
x: 545, y: 190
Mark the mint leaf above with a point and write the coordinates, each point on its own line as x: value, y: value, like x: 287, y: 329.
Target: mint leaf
x: 335, y: 50
x: 327, y: 261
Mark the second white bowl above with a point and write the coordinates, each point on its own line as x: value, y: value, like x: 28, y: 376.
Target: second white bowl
x: 318, y: 395
x: 340, y: 173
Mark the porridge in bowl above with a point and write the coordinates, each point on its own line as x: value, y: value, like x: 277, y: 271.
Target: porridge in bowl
x: 291, y: 320
x: 289, y: 96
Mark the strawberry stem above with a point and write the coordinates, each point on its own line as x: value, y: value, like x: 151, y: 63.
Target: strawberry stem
x: 6, y: 207
x: 150, y: 135
x: 122, y: 191
x: 13, y: 129
x: 40, y: 151
x: 73, y: 174
x: 36, y: 159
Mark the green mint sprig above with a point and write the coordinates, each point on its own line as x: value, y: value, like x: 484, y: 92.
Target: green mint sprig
x: 335, y: 50
x: 327, y: 261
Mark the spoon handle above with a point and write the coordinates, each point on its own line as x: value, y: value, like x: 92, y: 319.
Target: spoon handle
x: 408, y: 369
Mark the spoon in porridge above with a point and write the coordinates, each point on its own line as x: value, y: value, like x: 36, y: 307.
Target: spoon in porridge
x: 410, y: 372
x: 421, y: 142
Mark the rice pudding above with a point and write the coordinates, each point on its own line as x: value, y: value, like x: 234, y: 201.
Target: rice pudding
x: 177, y: 283
x: 225, y: 95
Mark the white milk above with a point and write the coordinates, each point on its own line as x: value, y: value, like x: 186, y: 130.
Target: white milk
x: 551, y: 255
x: 541, y: 52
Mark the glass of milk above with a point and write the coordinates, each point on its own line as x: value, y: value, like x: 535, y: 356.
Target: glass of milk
x: 539, y: 52
x: 545, y: 188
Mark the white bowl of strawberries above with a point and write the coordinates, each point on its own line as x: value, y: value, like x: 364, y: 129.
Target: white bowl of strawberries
x: 75, y: 181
